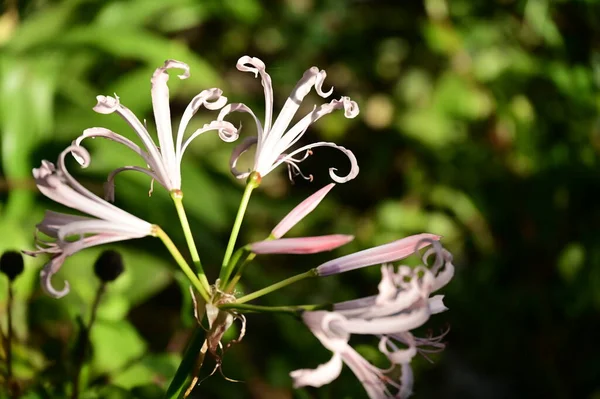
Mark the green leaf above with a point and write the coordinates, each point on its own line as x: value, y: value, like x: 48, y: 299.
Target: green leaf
x: 179, y: 382
x: 115, y: 344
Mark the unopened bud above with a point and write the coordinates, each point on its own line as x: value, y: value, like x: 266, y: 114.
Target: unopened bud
x: 109, y: 266
x: 11, y: 264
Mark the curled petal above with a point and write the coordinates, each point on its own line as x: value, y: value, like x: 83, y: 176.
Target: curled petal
x: 436, y: 304
x: 390, y: 252
x: 227, y: 132
x: 211, y: 99
x: 322, y: 375
x: 397, y: 355
x: 293, y: 102
x: 300, y: 211
x: 258, y: 67
x: 237, y: 153
x: 109, y: 186
x: 350, y: 107
x: 303, y: 245
x: 320, y: 79
x: 354, y: 169
x: 162, y: 114
x: 239, y: 107
x: 46, y: 277
x: 107, y: 104
x: 69, y: 249
x: 108, y: 134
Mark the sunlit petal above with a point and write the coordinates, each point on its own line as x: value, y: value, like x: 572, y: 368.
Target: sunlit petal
x: 300, y: 211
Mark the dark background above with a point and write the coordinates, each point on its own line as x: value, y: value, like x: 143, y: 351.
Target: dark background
x: 478, y: 122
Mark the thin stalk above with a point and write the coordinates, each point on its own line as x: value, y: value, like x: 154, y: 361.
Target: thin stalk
x: 85, y: 341
x: 277, y: 286
x: 226, y: 267
x: 199, y: 282
x: 245, y: 308
x: 249, y: 257
x: 177, y: 196
x: 9, y: 336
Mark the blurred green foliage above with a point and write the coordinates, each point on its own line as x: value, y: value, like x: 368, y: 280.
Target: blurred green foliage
x: 479, y: 121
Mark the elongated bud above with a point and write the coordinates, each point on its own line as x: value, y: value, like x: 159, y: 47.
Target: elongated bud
x: 390, y: 252
x: 11, y: 264
x: 300, y: 211
x: 109, y: 266
x: 302, y: 245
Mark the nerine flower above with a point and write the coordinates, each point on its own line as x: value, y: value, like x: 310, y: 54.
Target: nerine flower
x: 163, y: 161
x: 403, y: 304
x: 72, y: 233
x: 274, y: 139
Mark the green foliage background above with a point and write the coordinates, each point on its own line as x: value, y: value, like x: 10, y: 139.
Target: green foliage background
x: 479, y: 121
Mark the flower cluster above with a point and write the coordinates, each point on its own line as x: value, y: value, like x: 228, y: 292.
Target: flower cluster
x: 404, y: 301
x: 403, y: 304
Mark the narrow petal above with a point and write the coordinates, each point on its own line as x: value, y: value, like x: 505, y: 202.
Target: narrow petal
x: 237, y: 153
x: 108, y: 105
x: 372, y: 378
x: 227, y: 132
x: 303, y: 245
x: 390, y: 252
x: 289, y: 109
x: 69, y: 249
x: 109, y: 186
x: 335, y: 177
x: 239, y: 107
x: 300, y: 211
x: 258, y: 67
x: 95, y: 226
x: 388, y: 325
x: 162, y: 112
x: 53, y: 221
x: 46, y: 274
x: 297, y: 131
x: 346, y: 308
x: 211, y: 99
x: 58, y: 185
x: 108, y: 134
x: 322, y: 375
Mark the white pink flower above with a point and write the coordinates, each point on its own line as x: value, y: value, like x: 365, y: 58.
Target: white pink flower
x: 403, y: 304
x: 72, y: 233
x: 163, y: 161
x: 274, y: 139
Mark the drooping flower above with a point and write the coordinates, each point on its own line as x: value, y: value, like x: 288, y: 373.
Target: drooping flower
x: 403, y: 304
x: 163, y: 161
x: 72, y: 233
x: 274, y: 139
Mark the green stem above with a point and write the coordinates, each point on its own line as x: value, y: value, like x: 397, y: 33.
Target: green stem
x: 202, y: 286
x: 244, y: 308
x: 177, y: 196
x: 249, y: 257
x: 226, y: 266
x: 276, y: 286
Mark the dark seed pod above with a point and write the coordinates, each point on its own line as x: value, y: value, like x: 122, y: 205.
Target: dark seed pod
x: 11, y: 264
x: 109, y: 266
